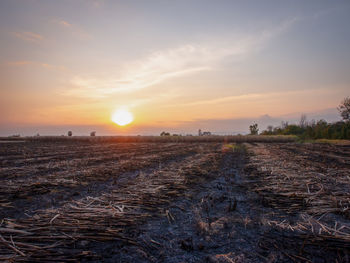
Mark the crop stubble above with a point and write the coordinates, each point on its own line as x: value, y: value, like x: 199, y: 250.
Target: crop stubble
x: 175, y: 201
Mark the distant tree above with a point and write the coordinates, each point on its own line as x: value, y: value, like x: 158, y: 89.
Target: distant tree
x: 303, y: 122
x: 321, y: 130
x: 70, y: 133
x: 277, y: 130
x: 165, y: 133
x: 312, y: 129
x: 284, y: 124
x: 254, y: 129
x: 293, y: 129
x: 344, y: 109
x: 93, y: 133
x: 312, y: 123
x: 268, y: 131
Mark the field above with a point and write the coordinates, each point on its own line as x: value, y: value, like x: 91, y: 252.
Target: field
x: 190, y: 199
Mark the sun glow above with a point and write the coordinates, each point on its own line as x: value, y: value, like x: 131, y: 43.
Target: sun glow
x: 122, y: 117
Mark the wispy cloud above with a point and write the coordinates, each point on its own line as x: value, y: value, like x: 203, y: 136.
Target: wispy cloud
x: 72, y: 28
x: 250, y: 97
x: 224, y: 99
x: 64, y: 23
x: 171, y: 63
x: 97, y: 3
x: 28, y: 36
x: 156, y: 68
x: 20, y: 63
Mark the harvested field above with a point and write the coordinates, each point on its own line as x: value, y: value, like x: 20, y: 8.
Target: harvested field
x: 106, y: 200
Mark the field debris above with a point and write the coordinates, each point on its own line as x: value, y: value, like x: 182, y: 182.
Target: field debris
x: 83, y: 201
x: 308, y: 188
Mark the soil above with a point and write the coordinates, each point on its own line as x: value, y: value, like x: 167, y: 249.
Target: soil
x: 89, y: 201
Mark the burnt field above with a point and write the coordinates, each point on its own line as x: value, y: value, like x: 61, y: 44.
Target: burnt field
x: 174, y: 201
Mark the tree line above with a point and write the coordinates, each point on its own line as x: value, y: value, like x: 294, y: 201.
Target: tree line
x: 314, y: 129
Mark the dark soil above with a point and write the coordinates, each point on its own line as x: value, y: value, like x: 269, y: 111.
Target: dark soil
x: 174, y: 202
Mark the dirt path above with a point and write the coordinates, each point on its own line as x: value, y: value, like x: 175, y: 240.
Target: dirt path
x: 217, y: 222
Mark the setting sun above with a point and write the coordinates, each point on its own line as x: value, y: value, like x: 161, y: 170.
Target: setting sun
x: 122, y: 117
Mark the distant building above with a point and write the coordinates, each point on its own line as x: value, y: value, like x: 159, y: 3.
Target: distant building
x: 199, y: 132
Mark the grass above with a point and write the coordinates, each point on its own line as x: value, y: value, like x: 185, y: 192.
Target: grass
x: 329, y: 141
x: 325, y: 141
x: 235, y: 147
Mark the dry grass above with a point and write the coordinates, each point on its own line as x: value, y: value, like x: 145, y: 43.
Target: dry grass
x: 308, y: 183
x: 50, y: 233
x: 130, y: 139
x: 337, y: 142
x: 220, y: 202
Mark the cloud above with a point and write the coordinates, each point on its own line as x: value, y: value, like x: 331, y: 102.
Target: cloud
x: 64, y: 23
x: 255, y: 97
x: 20, y: 63
x: 98, y: 3
x: 154, y: 69
x: 73, y: 29
x: 28, y: 36
x: 171, y: 63
x: 224, y: 99
x: 36, y: 63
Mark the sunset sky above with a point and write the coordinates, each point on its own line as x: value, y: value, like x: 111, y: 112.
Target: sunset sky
x: 175, y: 65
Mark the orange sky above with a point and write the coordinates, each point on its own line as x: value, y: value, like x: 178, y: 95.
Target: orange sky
x: 73, y: 64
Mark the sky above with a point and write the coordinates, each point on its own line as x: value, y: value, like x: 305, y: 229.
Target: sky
x: 177, y: 66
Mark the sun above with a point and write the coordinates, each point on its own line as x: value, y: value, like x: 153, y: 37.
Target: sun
x: 122, y: 117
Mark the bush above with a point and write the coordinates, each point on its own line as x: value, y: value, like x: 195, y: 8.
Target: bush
x: 254, y: 129
x: 313, y: 130
x: 165, y: 133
